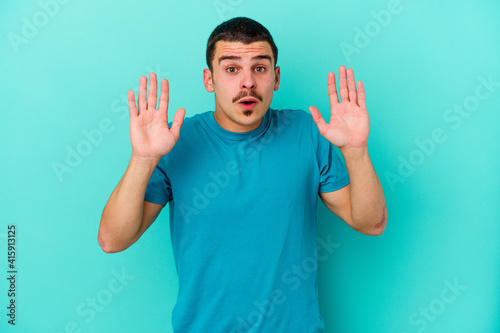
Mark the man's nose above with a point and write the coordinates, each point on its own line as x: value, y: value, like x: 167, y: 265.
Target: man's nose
x: 247, y: 80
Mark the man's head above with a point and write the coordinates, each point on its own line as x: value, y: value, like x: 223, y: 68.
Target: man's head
x: 241, y: 56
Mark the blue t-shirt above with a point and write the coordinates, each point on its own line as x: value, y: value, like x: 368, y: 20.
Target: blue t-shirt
x: 243, y: 222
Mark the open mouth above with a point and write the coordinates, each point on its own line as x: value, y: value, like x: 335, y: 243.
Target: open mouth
x: 248, y: 104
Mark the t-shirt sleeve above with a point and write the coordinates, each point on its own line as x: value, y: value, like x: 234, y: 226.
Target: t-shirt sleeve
x: 333, y: 173
x: 159, y: 190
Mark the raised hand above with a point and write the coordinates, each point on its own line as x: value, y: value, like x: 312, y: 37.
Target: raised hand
x: 149, y: 132
x: 349, y: 124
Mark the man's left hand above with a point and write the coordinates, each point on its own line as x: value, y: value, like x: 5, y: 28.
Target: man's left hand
x: 349, y: 124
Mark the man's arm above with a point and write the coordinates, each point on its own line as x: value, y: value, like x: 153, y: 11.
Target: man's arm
x: 126, y: 215
x: 361, y: 204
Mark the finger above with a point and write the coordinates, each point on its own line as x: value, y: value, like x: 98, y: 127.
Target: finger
x: 352, y: 85
x: 153, y: 86
x: 142, y: 94
x: 361, y: 95
x: 332, y: 89
x: 318, y: 119
x: 163, y: 106
x: 344, y: 92
x: 132, y: 107
x: 178, y: 121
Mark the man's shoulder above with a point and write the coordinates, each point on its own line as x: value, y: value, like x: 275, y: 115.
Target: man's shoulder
x: 291, y: 112
x: 297, y: 117
x: 194, y: 119
x: 282, y: 115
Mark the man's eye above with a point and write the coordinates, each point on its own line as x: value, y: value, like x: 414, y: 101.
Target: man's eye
x: 260, y: 69
x: 231, y: 69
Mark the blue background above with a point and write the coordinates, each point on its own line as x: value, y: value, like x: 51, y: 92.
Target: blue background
x: 71, y: 70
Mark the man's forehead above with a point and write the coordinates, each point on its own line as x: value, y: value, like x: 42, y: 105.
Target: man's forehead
x: 224, y: 48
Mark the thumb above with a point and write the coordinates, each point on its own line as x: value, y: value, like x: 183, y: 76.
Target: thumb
x: 318, y: 118
x: 178, y: 121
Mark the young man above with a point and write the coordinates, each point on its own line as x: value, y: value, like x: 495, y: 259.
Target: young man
x: 242, y: 184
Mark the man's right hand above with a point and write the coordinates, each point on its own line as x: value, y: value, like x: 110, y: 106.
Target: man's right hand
x: 149, y: 132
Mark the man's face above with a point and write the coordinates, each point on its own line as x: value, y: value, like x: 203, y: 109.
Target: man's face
x: 244, y: 79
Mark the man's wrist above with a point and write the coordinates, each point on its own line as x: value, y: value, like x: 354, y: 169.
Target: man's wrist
x: 142, y: 161
x: 354, y: 153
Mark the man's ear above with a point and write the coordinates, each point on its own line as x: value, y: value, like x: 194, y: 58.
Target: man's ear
x: 207, y: 80
x: 277, y: 73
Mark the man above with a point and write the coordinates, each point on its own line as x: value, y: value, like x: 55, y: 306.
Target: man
x: 242, y: 184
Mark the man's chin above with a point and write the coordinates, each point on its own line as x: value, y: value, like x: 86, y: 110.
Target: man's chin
x: 249, y: 118
x: 250, y: 115
x: 245, y: 120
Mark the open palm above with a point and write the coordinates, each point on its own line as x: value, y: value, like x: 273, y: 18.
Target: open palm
x: 150, y: 135
x: 349, y: 124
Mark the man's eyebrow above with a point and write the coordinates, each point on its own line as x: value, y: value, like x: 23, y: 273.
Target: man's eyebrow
x: 263, y: 56
x: 259, y: 57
